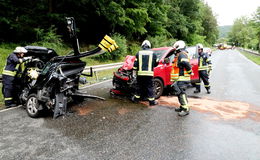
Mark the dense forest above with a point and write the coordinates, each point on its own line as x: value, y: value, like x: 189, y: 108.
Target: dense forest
x: 28, y: 20
x: 245, y: 31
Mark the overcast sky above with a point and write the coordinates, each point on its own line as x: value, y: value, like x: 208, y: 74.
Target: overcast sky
x: 228, y: 10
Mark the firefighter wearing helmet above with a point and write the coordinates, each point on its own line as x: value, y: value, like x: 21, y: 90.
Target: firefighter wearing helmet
x: 144, y: 64
x: 180, y: 76
x: 204, y: 69
x: 10, y: 71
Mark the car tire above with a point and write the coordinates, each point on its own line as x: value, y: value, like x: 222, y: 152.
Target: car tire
x: 158, y: 88
x: 32, y: 106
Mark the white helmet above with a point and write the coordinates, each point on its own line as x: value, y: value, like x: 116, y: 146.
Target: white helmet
x: 179, y: 45
x: 20, y: 50
x: 146, y: 44
x: 199, y: 46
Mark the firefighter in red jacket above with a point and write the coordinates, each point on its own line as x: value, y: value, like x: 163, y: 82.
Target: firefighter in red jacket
x: 180, y: 75
x: 204, y: 69
x: 144, y: 64
x: 10, y: 71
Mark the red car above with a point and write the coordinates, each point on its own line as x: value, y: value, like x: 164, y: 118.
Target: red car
x: 163, y: 70
x: 124, y: 83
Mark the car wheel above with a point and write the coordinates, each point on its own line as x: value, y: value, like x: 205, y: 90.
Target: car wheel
x: 32, y: 106
x: 158, y: 88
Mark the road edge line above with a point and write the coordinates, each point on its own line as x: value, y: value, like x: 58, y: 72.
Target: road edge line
x: 7, y: 109
x: 88, y: 86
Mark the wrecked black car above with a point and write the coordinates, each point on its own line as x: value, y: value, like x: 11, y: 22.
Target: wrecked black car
x: 49, y: 81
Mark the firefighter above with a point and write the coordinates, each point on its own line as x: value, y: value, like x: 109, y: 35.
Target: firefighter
x: 204, y: 69
x: 144, y: 64
x: 10, y: 71
x: 180, y: 76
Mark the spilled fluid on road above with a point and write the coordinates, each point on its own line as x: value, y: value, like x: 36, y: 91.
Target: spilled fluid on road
x: 227, y: 110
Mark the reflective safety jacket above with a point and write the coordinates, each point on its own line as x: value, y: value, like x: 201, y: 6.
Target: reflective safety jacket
x: 204, y: 61
x: 145, y: 62
x: 12, y: 65
x: 181, y: 68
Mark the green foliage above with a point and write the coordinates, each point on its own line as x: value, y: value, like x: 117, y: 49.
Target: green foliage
x: 133, y: 48
x: 161, y: 41
x: 245, y: 33
x: 49, y: 36
x: 195, y: 39
x: 117, y: 54
x: 43, y: 21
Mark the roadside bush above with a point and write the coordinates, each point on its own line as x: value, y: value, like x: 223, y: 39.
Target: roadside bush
x: 195, y: 39
x: 133, y: 48
x: 51, y: 39
x: 160, y: 41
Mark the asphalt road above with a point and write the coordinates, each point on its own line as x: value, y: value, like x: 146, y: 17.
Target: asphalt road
x: 223, y: 125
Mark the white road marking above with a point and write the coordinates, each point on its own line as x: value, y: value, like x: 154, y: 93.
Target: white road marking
x: 96, y: 84
x: 10, y: 108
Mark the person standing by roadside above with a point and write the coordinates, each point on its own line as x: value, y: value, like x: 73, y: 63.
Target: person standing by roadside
x: 10, y: 71
x: 144, y: 64
x: 205, y: 66
x: 180, y: 76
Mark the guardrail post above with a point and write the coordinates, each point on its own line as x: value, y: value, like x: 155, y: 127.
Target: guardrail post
x: 95, y: 72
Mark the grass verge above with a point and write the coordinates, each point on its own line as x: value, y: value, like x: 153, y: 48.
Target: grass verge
x: 252, y: 57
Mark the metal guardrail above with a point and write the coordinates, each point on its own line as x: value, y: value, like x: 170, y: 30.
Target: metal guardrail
x: 103, y: 67
x: 250, y: 51
x: 96, y: 68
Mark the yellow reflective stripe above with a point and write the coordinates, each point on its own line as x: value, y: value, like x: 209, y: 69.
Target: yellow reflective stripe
x: 189, y: 71
x: 150, y: 62
x: 185, y: 59
x: 174, y: 76
x: 17, y: 66
x: 134, y: 68
x: 23, y: 66
x: 9, y: 73
x: 145, y: 73
x: 207, y: 85
x: 201, y: 60
x: 197, y: 83
x: 185, y: 100
x: 184, y: 78
x: 8, y: 99
x: 207, y: 60
x: 186, y: 74
x: 185, y: 106
x: 203, y: 68
x: 137, y: 96
x: 151, y: 99
x: 140, y: 62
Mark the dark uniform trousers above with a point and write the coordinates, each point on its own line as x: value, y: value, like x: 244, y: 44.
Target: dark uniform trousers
x: 8, y: 89
x: 180, y: 88
x: 204, y: 76
x: 145, y: 87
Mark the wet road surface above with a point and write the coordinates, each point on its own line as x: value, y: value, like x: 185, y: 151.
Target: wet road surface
x: 222, y: 125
